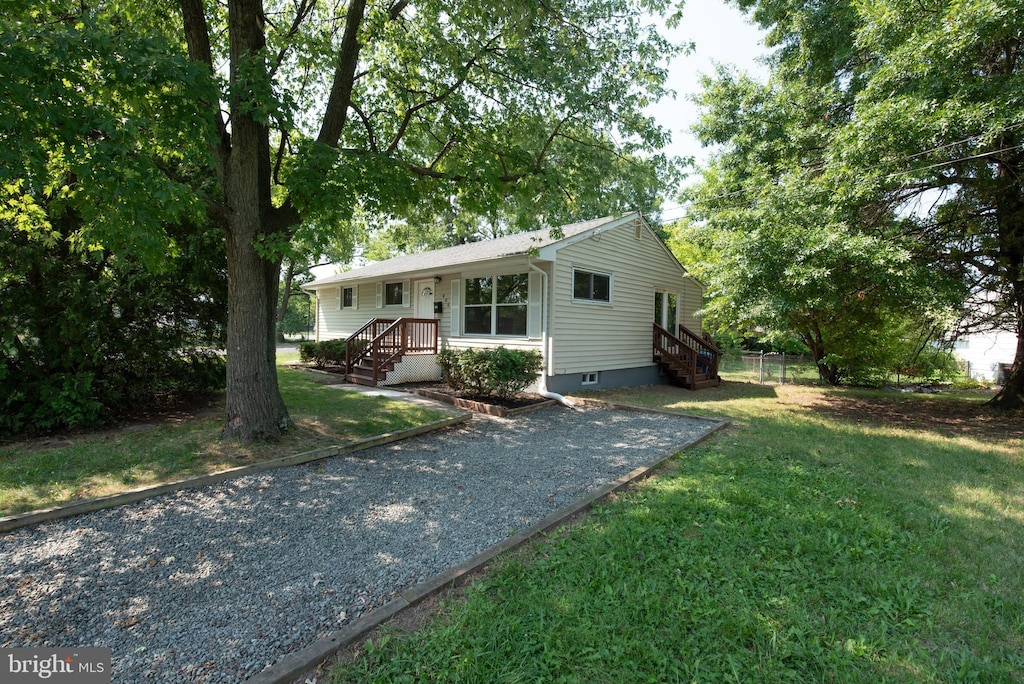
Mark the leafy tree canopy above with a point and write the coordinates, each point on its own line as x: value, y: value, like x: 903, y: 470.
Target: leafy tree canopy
x: 902, y: 120
x: 277, y: 117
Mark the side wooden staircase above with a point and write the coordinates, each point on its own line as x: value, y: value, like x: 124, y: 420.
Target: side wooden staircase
x: 689, y: 359
x: 373, y: 350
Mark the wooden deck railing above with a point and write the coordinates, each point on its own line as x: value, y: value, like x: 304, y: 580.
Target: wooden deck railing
x: 707, y: 353
x: 384, y: 341
x: 688, y: 353
x: 671, y: 350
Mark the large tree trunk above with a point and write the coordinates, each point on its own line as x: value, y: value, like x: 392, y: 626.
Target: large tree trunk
x: 1011, y: 396
x: 1009, y: 206
x: 811, y: 335
x: 255, y: 410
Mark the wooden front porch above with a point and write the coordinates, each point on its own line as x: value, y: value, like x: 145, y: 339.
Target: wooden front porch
x: 688, y: 359
x: 373, y: 350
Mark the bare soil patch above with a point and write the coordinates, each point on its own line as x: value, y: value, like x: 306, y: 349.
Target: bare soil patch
x: 947, y: 415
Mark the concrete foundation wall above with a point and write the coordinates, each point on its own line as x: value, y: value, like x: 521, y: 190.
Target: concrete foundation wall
x: 608, y: 379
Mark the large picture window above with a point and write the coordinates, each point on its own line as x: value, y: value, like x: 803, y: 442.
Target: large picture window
x: 496, y: 305
x: 590, y: 286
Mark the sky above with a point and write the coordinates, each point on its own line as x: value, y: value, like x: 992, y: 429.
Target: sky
x: 722, y: 35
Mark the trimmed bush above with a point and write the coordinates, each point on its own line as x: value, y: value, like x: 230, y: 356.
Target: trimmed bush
x: 328, y: 352
x: 496, y: 372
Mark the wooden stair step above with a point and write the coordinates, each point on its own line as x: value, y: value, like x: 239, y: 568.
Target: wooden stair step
x: 357, y: 379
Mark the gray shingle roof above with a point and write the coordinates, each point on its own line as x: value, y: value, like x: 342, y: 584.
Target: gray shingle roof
x: 440, y: 259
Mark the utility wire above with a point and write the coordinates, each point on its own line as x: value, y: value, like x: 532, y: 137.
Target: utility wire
x: 895, y: 174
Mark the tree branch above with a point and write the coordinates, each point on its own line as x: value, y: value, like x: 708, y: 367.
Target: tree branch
x: 304, y: 9
x: 336, y: 113
x: 197, y: 36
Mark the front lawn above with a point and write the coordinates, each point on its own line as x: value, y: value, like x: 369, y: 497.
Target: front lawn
x: 826, y: 536
x: 42, y: 473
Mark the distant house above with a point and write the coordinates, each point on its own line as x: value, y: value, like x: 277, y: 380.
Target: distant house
x: 604, y: 301
x: 987, y: 356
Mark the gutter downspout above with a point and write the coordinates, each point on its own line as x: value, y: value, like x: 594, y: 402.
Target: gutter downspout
x: 542, y: 390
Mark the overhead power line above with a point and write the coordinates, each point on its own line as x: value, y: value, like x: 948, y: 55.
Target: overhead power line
x: 895, y: 174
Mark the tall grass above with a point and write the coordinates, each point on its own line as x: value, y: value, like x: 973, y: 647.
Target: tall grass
x: 827, y: 536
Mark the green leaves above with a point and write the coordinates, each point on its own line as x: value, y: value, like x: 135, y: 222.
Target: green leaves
x: 102, y: 119
x: 880, y: 164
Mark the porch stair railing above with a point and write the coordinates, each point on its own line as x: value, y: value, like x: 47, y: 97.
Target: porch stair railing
x: 373, y: 350
x: 689, y: 359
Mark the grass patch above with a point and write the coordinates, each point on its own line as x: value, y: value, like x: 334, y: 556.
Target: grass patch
x: 44, y: 473
x: 827, y: 535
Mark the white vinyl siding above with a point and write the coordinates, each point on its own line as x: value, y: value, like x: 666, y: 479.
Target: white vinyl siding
x: 334, y: 323
x: 691, y: 302
x: 589, y: 336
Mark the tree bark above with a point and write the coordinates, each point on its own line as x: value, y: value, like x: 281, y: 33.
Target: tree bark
x: 255, y: 410
x: 1009, y: 209
x: 1011, y: 396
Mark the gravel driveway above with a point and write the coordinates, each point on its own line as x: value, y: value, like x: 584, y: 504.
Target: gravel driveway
x: 214, y: 584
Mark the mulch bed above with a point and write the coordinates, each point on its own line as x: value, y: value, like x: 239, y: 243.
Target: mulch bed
x: 493, y: 406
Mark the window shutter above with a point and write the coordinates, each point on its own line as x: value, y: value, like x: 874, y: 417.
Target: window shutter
x: 456, y: 311
x: 355, y: 296
x: 535, y: 308
x: 380, y: 295
x: 338, y: 307
x: 405, y: 293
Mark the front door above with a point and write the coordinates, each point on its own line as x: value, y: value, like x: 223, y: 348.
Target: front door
x: 425, y: 298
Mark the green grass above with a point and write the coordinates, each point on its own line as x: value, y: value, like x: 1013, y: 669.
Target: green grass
x: 44, y: 473
x: 827, y: 536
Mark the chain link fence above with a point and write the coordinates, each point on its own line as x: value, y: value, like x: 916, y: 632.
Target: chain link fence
x: 767, y: 368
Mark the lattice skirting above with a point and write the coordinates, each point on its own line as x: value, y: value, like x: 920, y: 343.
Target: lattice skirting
x: 414, y: 368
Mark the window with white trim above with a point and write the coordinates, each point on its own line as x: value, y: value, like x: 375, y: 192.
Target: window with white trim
x: 496, y: 305
x: 347, y: 298
x: 589, y: 379
x: 591, y: 286
x: 393, y: 294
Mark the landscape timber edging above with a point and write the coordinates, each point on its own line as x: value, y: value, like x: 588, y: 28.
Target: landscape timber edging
x: 18, y: 520
x: 294, y: 666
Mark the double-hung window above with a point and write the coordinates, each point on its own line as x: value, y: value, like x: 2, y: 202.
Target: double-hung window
x: 496, y: 305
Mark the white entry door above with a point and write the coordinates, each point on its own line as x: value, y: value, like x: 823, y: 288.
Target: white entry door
x: 425, y: 298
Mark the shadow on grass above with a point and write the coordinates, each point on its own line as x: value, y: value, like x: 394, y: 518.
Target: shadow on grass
x: 807, y: 545
x: 37, y: 475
